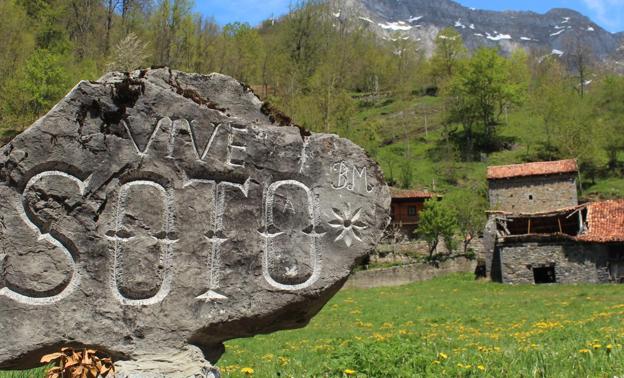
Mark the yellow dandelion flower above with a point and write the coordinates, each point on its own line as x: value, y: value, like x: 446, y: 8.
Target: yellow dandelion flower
x: 349, y: 372
x: 481, y: 367
x: 597, y: 346
x: 283, y: 361
x: 268, y: 357
x: 436, y: 362
x: 378, y: 337
x: 584, y: 351
x: 468, y: 366
x: 247, y: 371
x: 443, y: 356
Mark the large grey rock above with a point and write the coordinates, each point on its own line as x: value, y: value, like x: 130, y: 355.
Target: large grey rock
x: 160, y: 211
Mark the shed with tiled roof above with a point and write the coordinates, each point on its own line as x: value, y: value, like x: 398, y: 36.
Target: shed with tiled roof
x: 533, y: 187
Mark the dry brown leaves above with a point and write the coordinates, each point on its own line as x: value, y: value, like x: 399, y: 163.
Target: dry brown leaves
x: 78, y: 364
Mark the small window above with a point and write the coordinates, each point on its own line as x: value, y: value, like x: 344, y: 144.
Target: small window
x: 530, y: 197
x: 411, y: 211
x: 544, y: 275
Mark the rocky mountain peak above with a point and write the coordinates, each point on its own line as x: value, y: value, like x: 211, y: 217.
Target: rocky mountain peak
x: 421, y: 20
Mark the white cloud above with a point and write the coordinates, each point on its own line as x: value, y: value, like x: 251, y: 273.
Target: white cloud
x: 608, y: 12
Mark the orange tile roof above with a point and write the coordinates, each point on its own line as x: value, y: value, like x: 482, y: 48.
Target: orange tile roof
x: 402, y: 193
x: 605, y: 222
x: 541, y: 168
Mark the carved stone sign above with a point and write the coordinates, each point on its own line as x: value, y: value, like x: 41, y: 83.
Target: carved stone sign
x: 157, y: 214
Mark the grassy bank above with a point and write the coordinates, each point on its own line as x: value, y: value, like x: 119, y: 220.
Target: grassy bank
x: 407, y: 137
x: 452, y: 326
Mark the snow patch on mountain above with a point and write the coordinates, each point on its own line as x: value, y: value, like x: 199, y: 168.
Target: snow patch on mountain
x: 498, y: 37
x: 396, y: 26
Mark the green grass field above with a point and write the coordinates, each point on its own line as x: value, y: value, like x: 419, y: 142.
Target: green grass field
x: 453, y: 326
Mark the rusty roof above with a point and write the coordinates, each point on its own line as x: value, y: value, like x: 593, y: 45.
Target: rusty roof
x: 541, y: 168
x: 605, y: 222
x: 404, y: 194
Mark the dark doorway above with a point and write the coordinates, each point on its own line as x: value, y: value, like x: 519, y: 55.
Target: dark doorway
x: 544, y: 275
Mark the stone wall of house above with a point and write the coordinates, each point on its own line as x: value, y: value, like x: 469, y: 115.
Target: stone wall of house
x: 533, y: 194
x: 573, y: 262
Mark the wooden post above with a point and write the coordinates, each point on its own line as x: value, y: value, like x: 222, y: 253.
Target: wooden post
x: 560, y: 228
x: 529, y: 226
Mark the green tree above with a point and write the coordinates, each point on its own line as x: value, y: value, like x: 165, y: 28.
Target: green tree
x: 479, y: 95
x: 16, y: 41
x: 436, y: 222
x: 549, y: 102
x: 609, y: 109
x: 468, y: 207
x: 448, y: 55
x: 36, y: 88
x: 169, y: 26
x: 243, y: 53
x: 579, y: 58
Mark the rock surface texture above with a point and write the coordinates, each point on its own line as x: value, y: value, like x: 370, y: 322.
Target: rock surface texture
x: 156, y: 214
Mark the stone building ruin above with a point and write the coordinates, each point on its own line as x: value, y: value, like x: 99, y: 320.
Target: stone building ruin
x: 537, y: 232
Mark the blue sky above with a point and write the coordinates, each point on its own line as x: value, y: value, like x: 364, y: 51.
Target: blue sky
x: 607, y: 13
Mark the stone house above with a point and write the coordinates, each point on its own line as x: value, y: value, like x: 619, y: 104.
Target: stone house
x: 533, y: 187
x: 538, y: 233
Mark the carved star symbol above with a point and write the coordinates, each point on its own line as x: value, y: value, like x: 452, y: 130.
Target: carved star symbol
x: 349, y: 225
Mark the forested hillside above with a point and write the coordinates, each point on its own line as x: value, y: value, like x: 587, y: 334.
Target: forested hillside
x: 433, y: 123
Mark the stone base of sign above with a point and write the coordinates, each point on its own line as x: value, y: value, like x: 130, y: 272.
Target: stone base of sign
x: 187, y: 363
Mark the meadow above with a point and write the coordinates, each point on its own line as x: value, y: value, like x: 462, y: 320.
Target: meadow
x: 452, y: 326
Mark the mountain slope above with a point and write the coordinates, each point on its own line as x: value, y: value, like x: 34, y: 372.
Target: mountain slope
x: 554, y: 31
